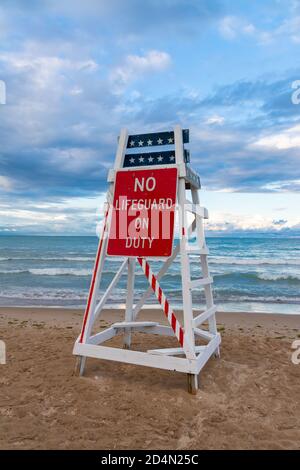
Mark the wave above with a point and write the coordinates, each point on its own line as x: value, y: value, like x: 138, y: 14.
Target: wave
x: 258, y: 298
x: 254, y: 262
x: 51, y: 272
x: 63, y: 258
x: 60, y: 272
x: 67, y: 296
x: 59, y: 294
x: 172, y: 276
x: 279, y: 277
x: 260, y: 276
x: 44, y: 295
x: 212, y: 260
x: 194, y: 259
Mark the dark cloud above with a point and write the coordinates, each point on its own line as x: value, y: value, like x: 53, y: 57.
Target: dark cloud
x: 271, y: 99
x: 227, y: 155
x: 260, y: 101
x: 67, y: 141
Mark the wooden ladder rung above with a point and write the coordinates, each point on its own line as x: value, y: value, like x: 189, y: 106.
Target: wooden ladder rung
x: 196, y: 209
x: 201, y: 282
x: 204, y: 316
x: 204, y: 334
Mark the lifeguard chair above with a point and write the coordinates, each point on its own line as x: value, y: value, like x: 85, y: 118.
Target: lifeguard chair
x: 149, y: 168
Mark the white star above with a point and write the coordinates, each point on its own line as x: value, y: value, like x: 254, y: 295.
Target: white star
x: 159, y: 141
x: 132, y: 142
x: 170, y: 140
x: 141, y: 159
x: 172, y: 158
x: 149, y: 142
x: 141, y: 143
x: 131, y: 160
x: 150, y: 159
x: 160, y: 158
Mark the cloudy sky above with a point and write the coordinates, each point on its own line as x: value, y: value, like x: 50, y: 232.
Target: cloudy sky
x: 76, y: 72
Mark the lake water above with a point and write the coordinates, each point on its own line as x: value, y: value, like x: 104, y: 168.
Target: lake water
x: 250, y: 274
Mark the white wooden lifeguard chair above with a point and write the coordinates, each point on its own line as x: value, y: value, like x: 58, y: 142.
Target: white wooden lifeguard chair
x: 161, y: 160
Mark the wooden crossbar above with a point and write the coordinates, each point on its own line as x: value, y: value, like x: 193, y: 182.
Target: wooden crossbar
x: 204, y: 315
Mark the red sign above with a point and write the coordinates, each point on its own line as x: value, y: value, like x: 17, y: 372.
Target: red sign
x: 143, y: 213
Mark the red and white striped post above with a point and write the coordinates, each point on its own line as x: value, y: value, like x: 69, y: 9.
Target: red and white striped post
x: 168, y: 311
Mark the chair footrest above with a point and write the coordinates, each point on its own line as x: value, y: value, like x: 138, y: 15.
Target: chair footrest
x: 134, y: 324
x: 173, y: 351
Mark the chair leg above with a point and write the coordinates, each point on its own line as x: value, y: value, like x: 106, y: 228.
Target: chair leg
x: 192, y: 383
x: 79, y: 366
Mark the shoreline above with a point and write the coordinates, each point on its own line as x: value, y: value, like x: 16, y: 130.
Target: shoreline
x: 155, y: 307
x: 66, y: 314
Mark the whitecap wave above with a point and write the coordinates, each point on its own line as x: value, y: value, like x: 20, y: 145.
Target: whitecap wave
x: 254, y: 261
x: 278, y: 277
x: 49, y: 258
x: 50, y: 272
x: 60, y: 272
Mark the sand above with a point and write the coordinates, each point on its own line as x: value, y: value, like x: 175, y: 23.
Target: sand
x: 249, y: 399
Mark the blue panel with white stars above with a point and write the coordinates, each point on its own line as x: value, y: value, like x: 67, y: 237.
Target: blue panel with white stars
x: 155, y: 139
x: 149, y: 159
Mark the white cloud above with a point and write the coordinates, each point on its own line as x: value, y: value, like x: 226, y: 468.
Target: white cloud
x: 216, y: 119
x: 29, y: 217
x: 70, y: 215
x: 231, y: 26
x: 5, y: 183
x: 227, y: 27
x: 283, y: 186
x: 76, y: 91
x: 74, y: 159
x: 45, y: 70
x: 290, y: 138
x: 135, y: 66
x: 291, y: 28
x: 227, y: 222
x: 211, y: 134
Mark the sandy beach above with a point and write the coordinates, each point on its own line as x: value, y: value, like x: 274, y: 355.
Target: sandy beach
x: 249, y: 399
